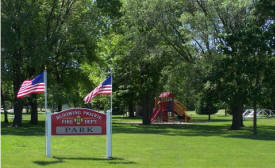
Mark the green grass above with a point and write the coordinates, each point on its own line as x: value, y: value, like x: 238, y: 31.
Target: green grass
x: 197, y: 145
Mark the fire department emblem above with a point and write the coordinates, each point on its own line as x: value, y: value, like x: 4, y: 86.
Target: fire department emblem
x: 78, y: 120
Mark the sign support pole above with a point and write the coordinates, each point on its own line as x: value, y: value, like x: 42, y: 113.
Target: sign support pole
x: 48, y: 119
x: 109, y: 135
x: 48, y: 150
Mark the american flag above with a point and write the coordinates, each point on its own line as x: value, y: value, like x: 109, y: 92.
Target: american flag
x: 37, y: 85
x: 104, y: 88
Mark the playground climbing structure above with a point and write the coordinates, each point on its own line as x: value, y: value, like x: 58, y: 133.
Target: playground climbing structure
x: 164, y: 104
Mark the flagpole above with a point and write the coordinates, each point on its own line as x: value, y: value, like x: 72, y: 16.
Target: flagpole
x: 109, y: 125
x: 47, y: 119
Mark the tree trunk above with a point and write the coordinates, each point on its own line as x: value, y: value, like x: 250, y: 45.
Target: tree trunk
x: 18, y: 104
x: 6, y: 120
x: 147, y: 107
x: 237, y: 121
x: 59, y: 107
x: 131, y: 109
x: 4, y: 107
x: 17, y: 121
x: 255, y: 106
x: 209, y: 117
x: 255, y: 118
x: 17, y: 81
x: 27, y: 109
x: 139, y: 110
x: 34, y: 112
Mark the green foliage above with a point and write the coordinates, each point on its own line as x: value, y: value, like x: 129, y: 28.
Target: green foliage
x: 110, y: 8
x: 205, y: 105
x: 241, y: 41
x: 138, y: 62
x: 62, y: 35
x: 185, y: 47
x: 152, y: 41
x: 243, y: 71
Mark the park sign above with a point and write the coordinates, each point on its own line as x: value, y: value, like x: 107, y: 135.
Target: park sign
x: 78, y: 121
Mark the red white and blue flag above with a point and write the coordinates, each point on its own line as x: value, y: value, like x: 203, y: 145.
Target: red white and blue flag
x: 104, y: 88
x: 36, y: 85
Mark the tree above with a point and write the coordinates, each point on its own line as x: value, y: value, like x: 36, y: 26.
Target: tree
x: 222, y: 27
x: 21, y: 42
x: 207, y: 103
x: 265, y: 14
x: 61, y: 34
x: 252, y: 48
x: 140, y: 62
x: 74, y: 29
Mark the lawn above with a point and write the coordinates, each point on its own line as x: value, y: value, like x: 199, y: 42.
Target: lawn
x: 200, y: 144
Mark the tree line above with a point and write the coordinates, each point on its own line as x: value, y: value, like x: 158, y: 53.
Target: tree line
x: 219, y: 53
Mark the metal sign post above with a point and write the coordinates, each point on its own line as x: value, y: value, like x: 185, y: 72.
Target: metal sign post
x: 49, y: 134
x: 109, y: 134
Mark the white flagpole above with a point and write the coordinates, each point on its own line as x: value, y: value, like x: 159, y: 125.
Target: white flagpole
x: 48, y: 119
x: 109, y: 125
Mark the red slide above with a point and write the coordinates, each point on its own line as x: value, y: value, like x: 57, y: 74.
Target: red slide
x: 155, y: 114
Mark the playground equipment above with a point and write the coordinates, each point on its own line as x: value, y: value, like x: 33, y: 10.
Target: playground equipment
x: 165, y: 104
x: 261, y: 113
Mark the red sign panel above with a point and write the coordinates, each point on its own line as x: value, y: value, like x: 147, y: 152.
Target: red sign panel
x: 78, y: 122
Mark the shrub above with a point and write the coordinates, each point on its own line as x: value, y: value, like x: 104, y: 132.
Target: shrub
x: 205, y: 106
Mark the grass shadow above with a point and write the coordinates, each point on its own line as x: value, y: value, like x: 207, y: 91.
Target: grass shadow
x: 46, y: 163
x: 264, y: 132
x: 26, y: 130
x: 114, y: 160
